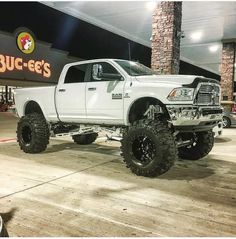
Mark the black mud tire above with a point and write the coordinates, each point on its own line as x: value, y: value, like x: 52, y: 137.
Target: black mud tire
x: 226, y: 122
x: 203, y: 145
x: 33, y: 133
x: 85, y: 138
x: 161, y: 147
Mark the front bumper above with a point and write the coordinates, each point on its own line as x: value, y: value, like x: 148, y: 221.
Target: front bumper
x: 194, y: 118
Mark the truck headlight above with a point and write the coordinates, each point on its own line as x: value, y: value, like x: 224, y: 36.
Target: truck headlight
x: 181, y: 94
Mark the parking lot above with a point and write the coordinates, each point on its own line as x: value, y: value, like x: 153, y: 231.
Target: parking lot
x: 72, y: 190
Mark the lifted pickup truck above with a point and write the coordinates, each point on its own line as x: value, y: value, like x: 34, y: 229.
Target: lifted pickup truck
x: 159, y: 117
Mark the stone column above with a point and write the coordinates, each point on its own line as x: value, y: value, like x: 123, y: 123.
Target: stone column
x: 166, y: 34
x: 227, y: 71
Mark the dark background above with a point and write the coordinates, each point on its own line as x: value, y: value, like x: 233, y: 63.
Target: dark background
x: 79, y: 38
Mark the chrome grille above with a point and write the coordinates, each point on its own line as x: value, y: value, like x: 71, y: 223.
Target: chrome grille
x: 208, y: 94
x: 209, y: 88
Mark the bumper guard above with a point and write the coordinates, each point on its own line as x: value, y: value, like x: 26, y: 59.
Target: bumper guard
x: 194, y: 118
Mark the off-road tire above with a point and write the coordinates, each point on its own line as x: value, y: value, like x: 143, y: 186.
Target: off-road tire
x: 33, y: 133
x: 226, y: 122
x: 161, y: 142
x: 202, y: 147
x: 85, y: 138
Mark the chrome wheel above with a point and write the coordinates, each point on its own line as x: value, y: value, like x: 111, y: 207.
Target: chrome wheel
x: 226, y: 122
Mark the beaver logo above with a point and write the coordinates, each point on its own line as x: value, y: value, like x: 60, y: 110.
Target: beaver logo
x: 25, y: 42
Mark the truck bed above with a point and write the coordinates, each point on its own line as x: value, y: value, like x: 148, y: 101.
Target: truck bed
x: 44, y: 96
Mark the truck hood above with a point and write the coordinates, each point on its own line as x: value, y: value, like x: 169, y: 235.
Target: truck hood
x: 169, y: 79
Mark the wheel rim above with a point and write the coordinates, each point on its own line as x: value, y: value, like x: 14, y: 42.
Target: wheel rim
x: 26, y: 134
x: 143, y: 149
x: 225, y: 122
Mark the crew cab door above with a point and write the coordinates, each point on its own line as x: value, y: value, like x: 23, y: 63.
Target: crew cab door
x: 104, y: 94
x: 70, y: 94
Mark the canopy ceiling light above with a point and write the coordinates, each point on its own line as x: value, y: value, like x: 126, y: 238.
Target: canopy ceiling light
x: 151, y: 5
x: 213, y: 48
x: 196, y: 36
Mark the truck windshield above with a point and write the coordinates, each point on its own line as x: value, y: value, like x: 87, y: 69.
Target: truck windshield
x: 135, y: 68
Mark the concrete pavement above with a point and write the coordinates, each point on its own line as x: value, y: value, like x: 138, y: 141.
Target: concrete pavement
x: 72, y: 190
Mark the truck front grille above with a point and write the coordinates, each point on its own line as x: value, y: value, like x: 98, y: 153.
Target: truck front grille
x: 208, y: 94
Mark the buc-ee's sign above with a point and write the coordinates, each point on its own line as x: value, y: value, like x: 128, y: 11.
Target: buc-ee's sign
x: 24, y: 58
x: 11, y: 63
x: 26, y: 44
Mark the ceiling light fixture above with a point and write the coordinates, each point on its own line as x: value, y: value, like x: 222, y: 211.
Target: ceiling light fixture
x: 195, y: 36
x: 151, y: 5
x: 213, y: 48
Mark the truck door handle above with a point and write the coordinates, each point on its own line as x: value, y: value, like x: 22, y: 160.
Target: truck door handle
x: 92, y: 88
x: 62, y: 90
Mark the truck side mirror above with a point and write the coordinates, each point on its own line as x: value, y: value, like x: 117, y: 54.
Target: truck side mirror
x: 97, y: 71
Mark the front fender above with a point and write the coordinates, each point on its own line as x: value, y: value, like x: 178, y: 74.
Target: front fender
x: 144, y: 97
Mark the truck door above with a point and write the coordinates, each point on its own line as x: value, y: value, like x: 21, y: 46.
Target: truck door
x: 70, y: 94
x: 104, y: 94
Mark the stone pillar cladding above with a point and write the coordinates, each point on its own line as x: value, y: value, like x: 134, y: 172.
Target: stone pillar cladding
x: 166, y: 35
x: 227, y: 71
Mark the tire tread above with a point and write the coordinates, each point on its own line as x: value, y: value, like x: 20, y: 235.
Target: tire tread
x: 167, y: 144
x: 40, y: 133
x: 202, y: 148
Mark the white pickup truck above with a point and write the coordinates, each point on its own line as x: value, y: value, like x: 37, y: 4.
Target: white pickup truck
x: 160, y: 117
